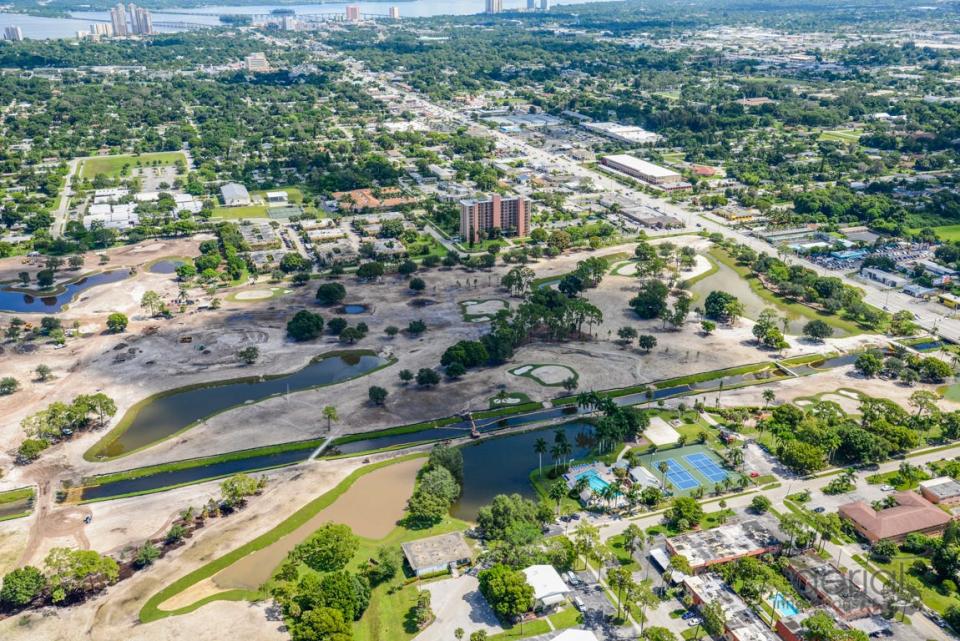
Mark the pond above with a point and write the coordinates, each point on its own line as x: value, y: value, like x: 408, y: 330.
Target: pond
x: 151, y: 482
x: 39, y: 302
x: 174, y: 411
x: 168, y: 266
x: 354, y: 308
x: 728, y: 280
x: 11, y: 508
x: 515, y: 459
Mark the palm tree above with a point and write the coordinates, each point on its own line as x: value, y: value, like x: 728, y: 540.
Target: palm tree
x: 557, y: 491
x: 540, y: 447
x: 663, y: 467
x: 330, y: 413
x: 769, y: 396
x: 555, y: 453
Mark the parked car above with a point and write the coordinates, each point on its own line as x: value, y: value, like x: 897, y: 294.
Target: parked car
x: 578, y: 603
x: 886, y: 488
x: 820, y: 509
x: 689, y: 614
x: 694, y: 621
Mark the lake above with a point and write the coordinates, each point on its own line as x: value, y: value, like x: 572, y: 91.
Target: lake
x: 39, y: 302
x: 502, y: 465
x: 45, y: 28
x: 179, y: 409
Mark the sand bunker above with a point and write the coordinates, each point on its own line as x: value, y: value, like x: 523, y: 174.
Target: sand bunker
x: 371, y: 507
x: 147, y: 248
x: 545, y: 374
x: 253, y: 294
x: 630, y: 269
x: 510, y: 400
x: 660, y: 432
x: 847, y: 404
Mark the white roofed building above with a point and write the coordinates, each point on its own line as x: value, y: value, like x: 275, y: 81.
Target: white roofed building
x: 549, y: 588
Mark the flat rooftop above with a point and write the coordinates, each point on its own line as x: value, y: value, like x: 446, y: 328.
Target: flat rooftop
x: 942, y: 487
x: 837, y: 589
x: 727, y: 542
x: 641, y: 166
x: 742, y: 622
x: 437, y: 550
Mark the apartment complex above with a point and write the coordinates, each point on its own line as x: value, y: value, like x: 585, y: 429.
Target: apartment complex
x: 353, y: 13
x: 257, y: 63
x: 14, y: 34
x: 494, y: 6
x: 726, y: 543
x: 140, y: 23
x: 823, y: 584
x: 912, y: 513
x: 509, y: 215
x: 742, y: 623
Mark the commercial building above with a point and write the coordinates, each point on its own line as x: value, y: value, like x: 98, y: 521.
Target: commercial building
x: 257, y: 63
x: 726, y: 543
x: 622, y: 133
x: 235, y: 195
x: 913, y: 513
x: 884, y: 278
x: 277, y: 197
x: 506, y: 214
x: 549, y: 588
x: 641, y: 169
x: 941, y: 491
x: 353, y: 13
x: 12, y: 33
x: 437, y: 553
x: 360, y: 199
x: 823, y: 584
x: 742, y: 623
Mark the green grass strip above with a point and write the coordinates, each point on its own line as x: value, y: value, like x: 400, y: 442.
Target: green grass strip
x: 151, y: 610
x: 394, y: 431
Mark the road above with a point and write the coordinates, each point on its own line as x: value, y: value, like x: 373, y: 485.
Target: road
x: 929, y: 316
x: 63, y: 208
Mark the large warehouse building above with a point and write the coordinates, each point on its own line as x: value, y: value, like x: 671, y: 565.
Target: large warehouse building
x: 642, y: 169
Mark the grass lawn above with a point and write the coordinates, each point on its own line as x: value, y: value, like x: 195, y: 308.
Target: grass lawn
x: 934, y: 596
x: 237, y: 213
x: 294, y: 195
x: 948, y: 232
x: 111, y: 166
x: 388, y: 616
x: 528, y: 629
x: 893, y: 478
x: 16, y: 503
x: 615, y: 545
x: 841, y: 135
x: 542, y: 486
x: 565, y: 619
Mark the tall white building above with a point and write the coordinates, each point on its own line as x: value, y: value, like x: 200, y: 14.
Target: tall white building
x: 141, y: 22
x: 494, y: 6
x: 544, y: 5
x: 118, y: 20
x: 395, y: 13
x: 531, y: 5
x: 353, y: 13
x: 12, y: 33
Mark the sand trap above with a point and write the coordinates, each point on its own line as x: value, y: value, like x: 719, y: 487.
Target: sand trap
x: 803, y: 402
x: 847, y: 404
x: 191, y: 595
x: 371, y: 507
x: 520, y: 371
x: 660, y: 432
x: 630, y: 269
x: 479, y: 319
x: 552, y: 374
x: 849, y: 394
x: 253, y: 294
x: 506, y: 401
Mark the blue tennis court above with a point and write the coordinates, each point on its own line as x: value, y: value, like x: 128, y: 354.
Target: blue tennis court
x: 679, y: 476
x: 706, y: 466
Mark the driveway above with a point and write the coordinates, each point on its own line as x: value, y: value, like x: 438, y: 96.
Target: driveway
x: 458, y: 604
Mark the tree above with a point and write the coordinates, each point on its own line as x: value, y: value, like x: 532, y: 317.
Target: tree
x: 329, y: 412
x: 586, y: 540
x: 720, y: 306
x: 370, y: 271
x: 377, y: 395
x: 117, y: 322
x: 883, y: 551
x: 646, y: 342
x: 405, y: 376
x: 684, y: 510
x: 416, y: 327
x: 621, y: 582
x: 868, y: 364
x: 305, y: 326
x: 350, y: 335
x: 558, y: 490
x: 337, y: 325
x: 456, y: 370
x: 8, y: 385
x: 540, y: 448
x: 328, y: 549
x: 321, y: 624
x: 43, y: 372
x: 249, y: 355
x: 72, y: 571
x: 237, y: 488
x: 152, y: 302
x: 760, y: 504
x: 651, y: 301
x: 426, y: 377
x: 331, y: 293
x: 422, y: 613
x: 389, y: 563
x: 506, y: 590
x: 714, y: 619
x: 391, y: 331
x: 817, y: 330
x: 657, y: 633
x: 708, y: 327
x: 146, y: 555
x: 417, y: 284
x: 21, y: 586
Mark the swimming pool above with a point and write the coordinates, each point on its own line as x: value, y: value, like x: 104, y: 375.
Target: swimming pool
x: 783, y: 606
x: 596, y: 483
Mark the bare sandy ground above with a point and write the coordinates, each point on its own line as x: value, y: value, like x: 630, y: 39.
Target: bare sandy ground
x: 371, y: 507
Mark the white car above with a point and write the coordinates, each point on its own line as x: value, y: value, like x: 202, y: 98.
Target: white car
x: 886, y: 488
x: 694, y: 621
